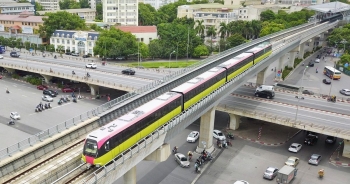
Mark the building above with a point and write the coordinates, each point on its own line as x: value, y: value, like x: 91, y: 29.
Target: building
x: 49, y: 5
x: 120, y: 12
x: 81, y: 42
x: 191, y: 10
x: 93, y: 3
x: 84, y: 13
x: 12, y: 8
x: 158, y: 3
x: 24, y: 26
x: 142, y: 33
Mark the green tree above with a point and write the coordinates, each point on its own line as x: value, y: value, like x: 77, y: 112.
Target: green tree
x: 84, y: 4
x: 125, y: 43
x: 99, y: 11
x: 144, y: 50
x: 200, y: 28
x: 38, y: 7
x: 60, y: 49
x: 267, y: 15
x: 223, y: 31
x: 69, y: 4
x: 19, y: 44
x: 168, y: 13
x: 200, y: 50
x: 235, y: 40
x: 95, y: 27
x: 50, y: 48
x: 27, y: 45
x: 269, y: 28
x: 42, y: 47
x: 155, y: 48
x: 60, y: 20
x: 211, y: 32
x: 146, y: 14
x: 256, y: 27
x: 12, y: 42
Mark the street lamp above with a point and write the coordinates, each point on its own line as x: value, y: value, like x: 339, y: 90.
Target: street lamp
x: 170, y: 58
x: 301, y: 88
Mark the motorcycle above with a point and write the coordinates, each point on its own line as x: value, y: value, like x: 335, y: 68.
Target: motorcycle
x: 74, y: 100
x: 230, y: 136
x: 7, y: 91
x: 321, y: 173
x: 331, y: 99
x: 11, y: 122
x: 218, y: 143
x: 224, y: 144
x: 67, y: 99
x: 60, y: 102
x: 175, y: 150
x: 299, y: 97
x: 197, y: 169
x: 49, y: 105
x: 63, y: 100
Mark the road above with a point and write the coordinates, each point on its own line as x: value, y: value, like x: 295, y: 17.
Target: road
x: 244, y: 161
x: 23, y: 98
x: 309, y: 101
x: 141, y: 78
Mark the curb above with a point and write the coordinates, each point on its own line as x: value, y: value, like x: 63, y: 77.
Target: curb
x: 203, y: 169
x: 268, y: 144
x: 337, y: 163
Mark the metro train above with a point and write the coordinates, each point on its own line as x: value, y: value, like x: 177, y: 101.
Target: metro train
x: 104, y: 144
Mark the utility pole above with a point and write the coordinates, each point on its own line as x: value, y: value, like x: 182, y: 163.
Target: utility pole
x: 188, y: 40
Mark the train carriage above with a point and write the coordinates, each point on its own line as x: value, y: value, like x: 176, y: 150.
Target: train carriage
x: 200, y: 86
x: 105, y: 143
x: 237, y: 65
x: 260, y: 52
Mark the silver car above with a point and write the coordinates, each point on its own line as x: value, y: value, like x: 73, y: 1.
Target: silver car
x: 315, y: 159
x: 182, y: 160
x: 47, y: 98
x: 270, y: 173
x: 345, y: 92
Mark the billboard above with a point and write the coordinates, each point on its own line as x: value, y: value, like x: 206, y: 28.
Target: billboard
x: 27, y: 29
x: 2, y: 27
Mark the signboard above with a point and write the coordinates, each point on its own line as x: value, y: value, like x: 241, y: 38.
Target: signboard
x: 80, y: 39
x: 27, y: 29
x: 2, y: 28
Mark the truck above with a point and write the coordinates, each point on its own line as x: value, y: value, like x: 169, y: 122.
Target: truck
x: 286, y: 174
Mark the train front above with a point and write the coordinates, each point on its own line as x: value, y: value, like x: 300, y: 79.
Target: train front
x: 90, y: 152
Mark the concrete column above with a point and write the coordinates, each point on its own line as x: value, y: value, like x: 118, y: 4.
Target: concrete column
x: 161, y: 154
x: 346, y: 151
x: 260, y: 78
x: 94, y: 89
x: 312, y: 44
x: 301, y: 51
x: 206, y: 131
x: 234, y: 121
x: 130, y: 176
x: 47, y: 78
x: 10, y: 70
x: 280, y: 63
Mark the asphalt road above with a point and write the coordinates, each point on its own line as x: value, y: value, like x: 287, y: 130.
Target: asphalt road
x: 309, y: 101
x: 284, y: 110
x: 244, y: 161
x: 141, y: 78
x: 23, y: 98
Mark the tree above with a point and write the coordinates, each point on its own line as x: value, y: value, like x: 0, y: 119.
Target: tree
x: 211, y: 32
x: 168, y: 13
x: 200, y: 28
x: 256, y: 27
x: 155, y: 48
x: 124, y: 43
x: 84, y: 4
x: 60, y: 20
x: 27, y: 45
x: 235, y: 40
x: 50, y: 48
x: 270, y: 27
x: 146, y: 14
x: 144, y: 51
x: 69, y: 4
x: 200, y: 50
x: 99, y: 11
x: 223, y: 31
x: 60, y: 49
x: 95, y: 27
x: 267, y: 15
x: 38, y: 7
x: 19, y: 44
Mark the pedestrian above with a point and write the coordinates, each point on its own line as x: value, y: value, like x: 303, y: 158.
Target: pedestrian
x: 108, y: 98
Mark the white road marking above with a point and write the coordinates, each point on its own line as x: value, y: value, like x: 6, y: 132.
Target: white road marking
x: 51, y: 108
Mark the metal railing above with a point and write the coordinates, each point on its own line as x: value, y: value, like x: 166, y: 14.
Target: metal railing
x: 96, y: 111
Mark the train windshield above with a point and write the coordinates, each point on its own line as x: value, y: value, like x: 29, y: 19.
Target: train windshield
x: 90, y: 148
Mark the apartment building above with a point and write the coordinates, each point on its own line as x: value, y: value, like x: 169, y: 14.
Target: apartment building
x: 84, y: 13
x: 93, y: 3
x: 120, y: 12
x: 49, y: 5
x: 13, y: 8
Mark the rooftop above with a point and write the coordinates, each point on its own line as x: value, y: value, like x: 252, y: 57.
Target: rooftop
x: 83, y: 10
x: 209, y: 5
x: 138, y: 29
x: 6, y: 4
x: 19, y: 18
x: 333, y: 7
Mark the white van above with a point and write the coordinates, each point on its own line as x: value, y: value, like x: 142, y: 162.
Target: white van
x: 265, y: 87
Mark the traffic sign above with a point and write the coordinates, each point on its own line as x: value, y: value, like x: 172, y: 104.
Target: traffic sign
x: 30, y: 50
x: 279, y: 75
x: 279, y: 71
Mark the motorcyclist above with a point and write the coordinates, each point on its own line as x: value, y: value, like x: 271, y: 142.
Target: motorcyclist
x: 175, y: 149
x: 55, y: 57
x: 321, y: 173
x: 87, y: 74
x: 189, y: 155
x: 7, y: 90
x: 73, y: 73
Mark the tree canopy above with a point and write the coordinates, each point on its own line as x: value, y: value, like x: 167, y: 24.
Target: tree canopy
x: 114, y: 43
x: 61, y: 20
x: 99, y: 11
x: 72, y: 4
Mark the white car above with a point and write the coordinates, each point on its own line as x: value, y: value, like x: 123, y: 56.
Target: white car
x: 1, y: 57
x: 345, y: 92
x: 295, y: 147
x: 217, y: 134
x: 15, y: 115
x: 47, y: 98
x: 317, y: 60
x: 241, y: 182
x: 193, y: 136
x: 91, y: 65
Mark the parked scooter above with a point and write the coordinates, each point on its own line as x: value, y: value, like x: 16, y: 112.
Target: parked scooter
x: 197, y: 169
x: 60, y: 102
x: 12, y: 122
x: 230, y: 136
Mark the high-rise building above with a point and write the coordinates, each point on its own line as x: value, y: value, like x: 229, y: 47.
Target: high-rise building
x: 120, y: 12
x: 14, y: 8
x: 93, y: 3
x: 49, y: 4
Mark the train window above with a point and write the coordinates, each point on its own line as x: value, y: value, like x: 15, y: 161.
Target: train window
x: 107, y: 146
x: 90, y: 148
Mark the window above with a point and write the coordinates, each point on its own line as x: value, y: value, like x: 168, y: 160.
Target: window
x: 53, y: 40
x: 58, y: 40
x: 63, y: 41
x: 89, y: 44
x: 141, y: 39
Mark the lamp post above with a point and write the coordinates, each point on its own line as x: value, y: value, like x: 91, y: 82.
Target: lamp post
x: 170, y: 58
x: 301, y: 88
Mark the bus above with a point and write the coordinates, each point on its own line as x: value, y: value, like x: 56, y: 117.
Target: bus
x: 331, y: 72
x: 2, y: 49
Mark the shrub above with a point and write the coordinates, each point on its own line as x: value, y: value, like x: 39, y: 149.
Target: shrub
x: 34, y: 80
x: 297, y: 61
x: 286, y: 71
x: 15, y: 76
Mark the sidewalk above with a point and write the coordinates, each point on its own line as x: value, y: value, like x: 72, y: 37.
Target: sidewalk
x: 337, y: 159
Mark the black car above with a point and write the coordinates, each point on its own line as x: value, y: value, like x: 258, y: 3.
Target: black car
x: 327, y: 81
x: 311, y: 139
x: 14, y: 54
x: 120, y: 58
x: 311, y: 64
x: 68, y: 53
x: 265, y: 93
x: 307, y: 92
x: 50, y: 92
x: 86, y: 56
x: 331, y: 140
x: 128, y: 72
